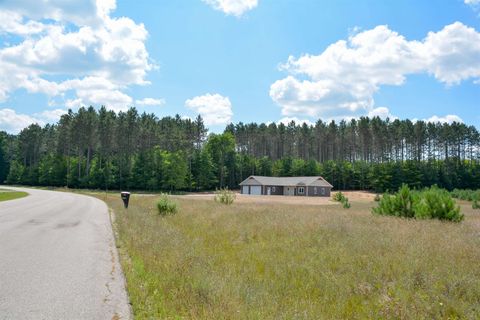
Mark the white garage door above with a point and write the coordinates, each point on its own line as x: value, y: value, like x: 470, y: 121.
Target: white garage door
x: 244, y: 189
x: 256, y: 190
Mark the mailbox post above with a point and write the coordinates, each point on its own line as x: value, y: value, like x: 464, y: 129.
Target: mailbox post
x: 125, y: 197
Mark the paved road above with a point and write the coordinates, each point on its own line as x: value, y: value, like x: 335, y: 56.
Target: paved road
x: 58, y: 259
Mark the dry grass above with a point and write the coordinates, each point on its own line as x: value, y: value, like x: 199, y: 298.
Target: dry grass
x: 278, y: 261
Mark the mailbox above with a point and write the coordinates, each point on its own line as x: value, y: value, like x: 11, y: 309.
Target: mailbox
x: 125, y: 197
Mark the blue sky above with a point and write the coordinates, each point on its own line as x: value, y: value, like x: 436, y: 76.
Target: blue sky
x: 241, y: 60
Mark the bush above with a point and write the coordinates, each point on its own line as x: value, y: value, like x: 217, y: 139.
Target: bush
x: 399, y: 205
x: 166, y: 206
x: 437, y: 203
x: 433, y: 203
x: 377, y: 198
x: 340, y: 197
x: 475, y: 204
x: 466, y: 194
x: 225, y: 196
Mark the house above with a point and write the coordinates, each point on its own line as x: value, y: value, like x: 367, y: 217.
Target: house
x: 288, y: 186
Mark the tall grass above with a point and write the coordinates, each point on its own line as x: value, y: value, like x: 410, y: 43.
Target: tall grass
x: 267, y: 261
x: 225, y: 196
x: 166, y: 206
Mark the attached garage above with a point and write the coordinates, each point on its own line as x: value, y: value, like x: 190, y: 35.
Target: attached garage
x: 256, y: 190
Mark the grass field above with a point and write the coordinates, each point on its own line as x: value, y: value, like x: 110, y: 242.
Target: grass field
x: 294, y: 261
x: 6, y: 194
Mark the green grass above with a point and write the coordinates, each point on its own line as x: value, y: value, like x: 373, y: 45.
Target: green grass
x: 264, y: 261
x: 6, y: 194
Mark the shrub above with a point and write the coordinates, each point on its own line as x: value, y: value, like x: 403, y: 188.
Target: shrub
x: 466, y: 194
x: 166, y: 206
x: 438, y: 204
x: 433, y: 203
x: 475, y: 204
x: 338, y: 196
x: 377, y: 198
x: 225, y: 196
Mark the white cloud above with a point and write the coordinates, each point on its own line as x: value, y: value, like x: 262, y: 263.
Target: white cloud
x: 472, y: 2
x: 150, y: 102
x: 214, y: 108
x: 382, y: 113
x: 50, y: 115
x: 100, y: 56
x: 287, y: 120
x: 341, y: 82
x: 12, y: 122
x: 232, y: 7
x: 450, y: 118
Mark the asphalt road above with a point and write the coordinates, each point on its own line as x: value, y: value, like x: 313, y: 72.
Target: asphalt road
x: 58, y: 259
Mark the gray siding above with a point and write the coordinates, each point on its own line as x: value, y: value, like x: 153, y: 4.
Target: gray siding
x: 274, y: 190
x: 319, y: 192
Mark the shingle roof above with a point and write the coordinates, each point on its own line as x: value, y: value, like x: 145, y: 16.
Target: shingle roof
x: 286, y: 181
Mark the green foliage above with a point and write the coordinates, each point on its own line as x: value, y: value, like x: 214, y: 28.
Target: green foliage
x: 16, y: 173
x: 475, y: 204
x: 166, y: 206
x: 431, y: 203
x: 466, y: 194
x: 3, y: 160
x: 224, y: 196
x: 435, y: 203
x: 340, y: 197
x: 104, y: 149
x: 377, y: 198
x: 6, y: 195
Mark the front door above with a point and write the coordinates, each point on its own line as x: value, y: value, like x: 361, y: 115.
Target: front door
x: 290, y: 191
x: 269, y: 191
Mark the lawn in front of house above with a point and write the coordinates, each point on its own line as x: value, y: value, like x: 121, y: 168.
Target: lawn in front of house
x: 293, y: 261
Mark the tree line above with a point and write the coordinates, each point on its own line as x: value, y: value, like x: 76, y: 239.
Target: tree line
x: 127, y: 150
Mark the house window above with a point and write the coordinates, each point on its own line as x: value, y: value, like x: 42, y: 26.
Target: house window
x: 273, y: 189
x: 301, y: 190
x: 315, y: 190
x: 322, y: 190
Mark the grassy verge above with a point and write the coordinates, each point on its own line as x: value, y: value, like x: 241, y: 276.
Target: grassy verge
x: 264, y: 261
x: 6, y: 194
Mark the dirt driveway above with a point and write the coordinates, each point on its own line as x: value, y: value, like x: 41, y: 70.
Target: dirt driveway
x: 241, y: 198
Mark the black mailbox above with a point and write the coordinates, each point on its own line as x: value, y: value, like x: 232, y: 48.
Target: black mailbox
x: 125, y: 197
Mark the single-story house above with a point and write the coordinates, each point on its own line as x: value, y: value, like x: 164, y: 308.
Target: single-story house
x: 288, y: 186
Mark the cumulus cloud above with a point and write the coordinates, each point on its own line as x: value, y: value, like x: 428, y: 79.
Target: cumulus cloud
x: 341, y: 81
x: 472, y: 2
x: 232, y: 7
x: 287, y: 120
x: 96, y: 56
x: 150, y: 102
x: 50, y: 115
x: 450, y: 118
x: 214, y: 108
x: 12, y: 122
x: 382, y: 113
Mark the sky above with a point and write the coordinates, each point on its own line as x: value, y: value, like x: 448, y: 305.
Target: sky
x: 241, y: 60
